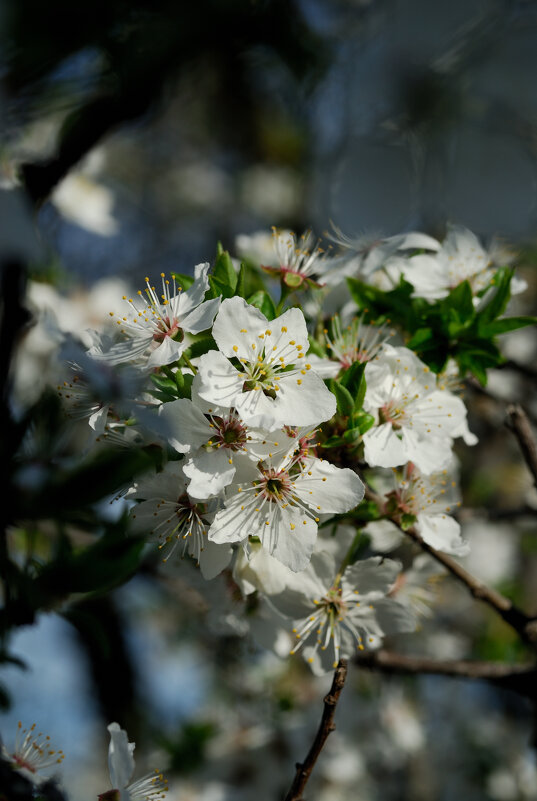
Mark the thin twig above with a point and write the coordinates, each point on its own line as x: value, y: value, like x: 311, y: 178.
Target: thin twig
x: 521, y: 678
x: 304, y: 769
x: 525, y: 626
x: 517, y: 421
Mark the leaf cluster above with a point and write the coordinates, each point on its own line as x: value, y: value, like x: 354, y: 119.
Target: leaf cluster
x: 453, y: 327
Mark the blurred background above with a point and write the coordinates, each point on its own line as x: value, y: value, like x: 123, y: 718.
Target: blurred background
x: 145, y: 133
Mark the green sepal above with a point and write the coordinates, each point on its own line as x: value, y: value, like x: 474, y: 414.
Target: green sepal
x: 263, y: 301
x: 345, y: 401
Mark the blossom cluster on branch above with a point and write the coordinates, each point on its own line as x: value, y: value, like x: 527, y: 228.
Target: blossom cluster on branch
x: 268, y: 415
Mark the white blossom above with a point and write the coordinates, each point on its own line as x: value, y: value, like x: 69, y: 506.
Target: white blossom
x: 431, y: 500
x: 280, y: 503
x: 335, y: 615
x: 214, y: 438
x: 155, y: 326
x: 261, y: 368
x: 415, y: 421
x: 460, y: 258
x: 175, y: 520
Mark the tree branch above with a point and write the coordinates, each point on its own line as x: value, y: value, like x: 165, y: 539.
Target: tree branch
x: 518, y: 423
x: 304, y: 769
x: 522, y: 678
x: 525, y: 626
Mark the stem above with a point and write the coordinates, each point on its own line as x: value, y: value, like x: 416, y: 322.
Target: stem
x: 304, y: 769
x: 520, y: 425
x: 189, y: 363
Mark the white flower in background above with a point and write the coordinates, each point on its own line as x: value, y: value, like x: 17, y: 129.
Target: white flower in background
x: 336, y: 615
x: 258, y: 247
x: 81, y: 200
x: 158, y: 324
x: 261, y: 368
x: 152, y: 787
x: 32, y: 752
x: 298, y: 259
x: 175, y: 520
x: 430, y: 499
x: 460, y: 258
x: 416, y: 422
x: 356, y: 342
x: 370, y: 252
x: 280, y: 504
x: 417, y: 587
x: 95, y: 389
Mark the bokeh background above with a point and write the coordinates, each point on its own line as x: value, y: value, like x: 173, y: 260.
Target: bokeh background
x: 145, y: 133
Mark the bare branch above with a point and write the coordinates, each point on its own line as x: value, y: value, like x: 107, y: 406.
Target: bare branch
x: 517, y: 421
x: 304, y: 769
x: 521, y: 678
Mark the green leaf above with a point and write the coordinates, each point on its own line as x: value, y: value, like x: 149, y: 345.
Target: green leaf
x: 345, y: 401
x: 503, y: 326
x: 421, y: 337
x: 224, y: 276
x: 182, y: 280
x: 459, y: 300
x: 352, y: 435
x: 240, y: 289
x: 200, y: 346
x: 499, y: 297
x: 165, y: 384
x: 363, y: 421
x: 262, y: 301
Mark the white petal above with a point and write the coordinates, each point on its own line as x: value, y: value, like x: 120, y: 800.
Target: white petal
x: 167, y: 352
x: 219, y: 381
x: 120, y: 758
x: 184, y: 302
x: 374, y: 576
x: 443, y: 533
x: 209, y: 472
x: 238, y: 325
x: 308, y: 403
x: 327, y: 488
x: 293, y: 547
x: 201, y: 318
x: 187, y: 425
x: 213, y: 559
x: 288, y: 327
x: 427, y: 452
x: 98, y: 419
x: 383, y: 448
x: 393, y: 617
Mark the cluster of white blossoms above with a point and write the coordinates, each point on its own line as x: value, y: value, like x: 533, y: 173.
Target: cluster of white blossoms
x: 263, y: 439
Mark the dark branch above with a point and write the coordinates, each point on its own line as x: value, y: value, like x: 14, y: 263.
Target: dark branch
x: 517, y: 421
x: 522, y: 678
x: 304, y: 769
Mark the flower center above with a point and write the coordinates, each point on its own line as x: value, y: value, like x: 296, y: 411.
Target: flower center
x: 230, y: 433
x: 392, y: 413
x: 275, y: 486
x: 168, y: 328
